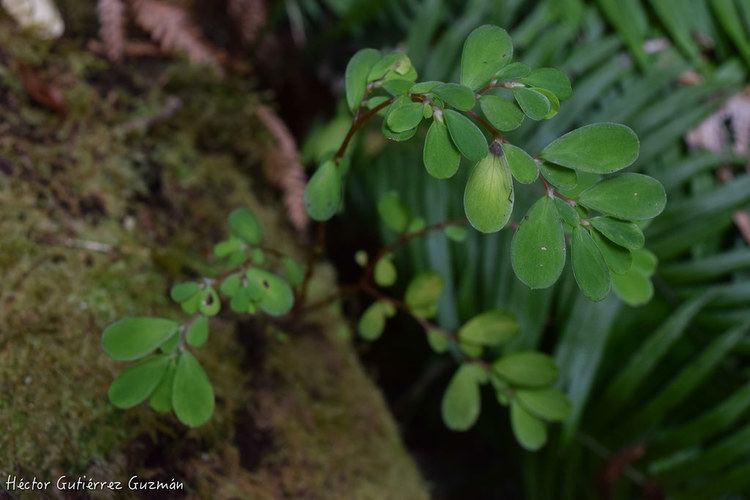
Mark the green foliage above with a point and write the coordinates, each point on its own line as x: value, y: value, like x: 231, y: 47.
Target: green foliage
x: 174, y: 379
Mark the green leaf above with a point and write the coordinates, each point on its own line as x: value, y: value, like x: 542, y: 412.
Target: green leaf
x: 455, y: 95
x: 486, y: 50
x: 600, y: 148
x: 467, y: 137
x: 551, y: 79
x: 423, y: 294
x: 512, y: 71
x: 134, y: 337
x: 231, y: 284
x: 244, y: 225
x: 554, y: 102
x: 137, y: 382
x: 274, y: 295
x: 416, y: 224
x: 372, y: 322
x: 560, y: 177
x: 538, y: 248
x: 293, y: 270
x: 462, y: 400
x: 197, y: 332
x: 533, y: 103
x: 405, y: 117
x: 161, y: 398
x: 548, y: 404
x: 323, y: 192
x: 192, y: 393
x: 228, y: 247
x: 628, y: 196
x: 634, y: 287
x: 589, y: 268
x: 183, y: 291
x: 526, y: 369
x: 396, y: 63
x: 423, y: 87
x: 489, y: 328
x: 397, y: 86
x: 210, y: 302
x: 502, y: 114
x: 522, y: 166
x: 438, y: 340
x: 258, y: 256
x: 568, y: 214
x: 618, y: 258
x: 625, y: 234
x: 440, y: 156
x: 393, y: 212
x: 530, y: 432
x: 456, y: 233
x: 392, y: 135
x: 356, y: 75
x: 488, y: 196
x: 385, y: 272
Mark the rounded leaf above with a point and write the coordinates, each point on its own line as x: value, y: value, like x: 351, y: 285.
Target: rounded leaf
x: 438, y: 340
x: 183, y: 291
x: 405, y: 117
x: 455, y: 95
x: 628, y: 196
x: 502, y: 114
x: 385, y: 272
x: 522, y: 166
x: 590, y: 270
x: 533, y: 103
x: 486, y: 50
x: 530, y: 432
x: 161, y: 399
x: 244, y: 225
x: 137, y: 382
x: 617, y: 258
x: 467, y: 137
x: 527, y: 369
x: 322, y: 196
x: 462, y: 400
x: 512, y: 71
x: 423, y: 294
x: 356, y: 75
x: 551, y: 79
x: 293, y: 270
x: 548, y: 404
x: 489, y: 328
x: 192, y: 393
x: 456, y: 233
x: 372, y: 322
x: 488, y: 196
x: 560, y: 177
x: 393, y: 212
x: 600, y: 148
x: 441, y: 158
x: 134, y: 337
x: 537, y: 251
x: 634, y: 287
x: 272, y: 293
x: 210, y: 302
x: 625, y: 234
x: 197, y: 332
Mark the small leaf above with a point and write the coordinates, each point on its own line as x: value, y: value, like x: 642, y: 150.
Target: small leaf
x: 416, y: 224
x: 161, y: 398
x: 600, y: 148
x: 502, y: 114
x: 404, y: 117
x: 258, y: 256
x: 227, y: 247
x: 137, y: 382
x: 192, y: 393
x: 397, y: 86
x: 634, y: 287
x: 441, y: 158
x: 322, y: 196
x: 356, y: 75
x: 560, y: 177
x: 191, y: 305
x: 526, y: 369
x: 293, y: 270
x: 530, y: 432
x: 456, y: 233
x: 490, y: 328
x: 568, y: 214
x: 210, y: 302
x: 551, y: 79
x: 134, y: 337
x: 244, y: 225
x: 393, y: 212
x: 231, y: 284
x: 548, y: 404
x: 488, y: 196
x: 438, y: 340
x: 423, y: 294
x: 392, y: 135
x: 618, y: 258
x: 538, y: 247
x: 533, y: 103
x: 462, y: 400
x: 395, y: 62
x: 628, y: 196
x: 274, y: 295
x: 589, y: 268
x: 554, y: 102
x: 522, y: 166
x: 486, y: 50
x: 385, y: 272
x: 372, y: 322
x: 465, y: 135
x: 512, y: 71
x: 423, y: 87
x: 183, y: 291
x: 455, y: 95
x: 197, y: 332
x: 626, y: 234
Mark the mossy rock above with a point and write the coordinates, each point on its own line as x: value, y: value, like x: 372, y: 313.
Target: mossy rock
x: 100, y: 212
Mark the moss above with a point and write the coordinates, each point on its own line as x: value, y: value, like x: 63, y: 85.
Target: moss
x: 97, y: 219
